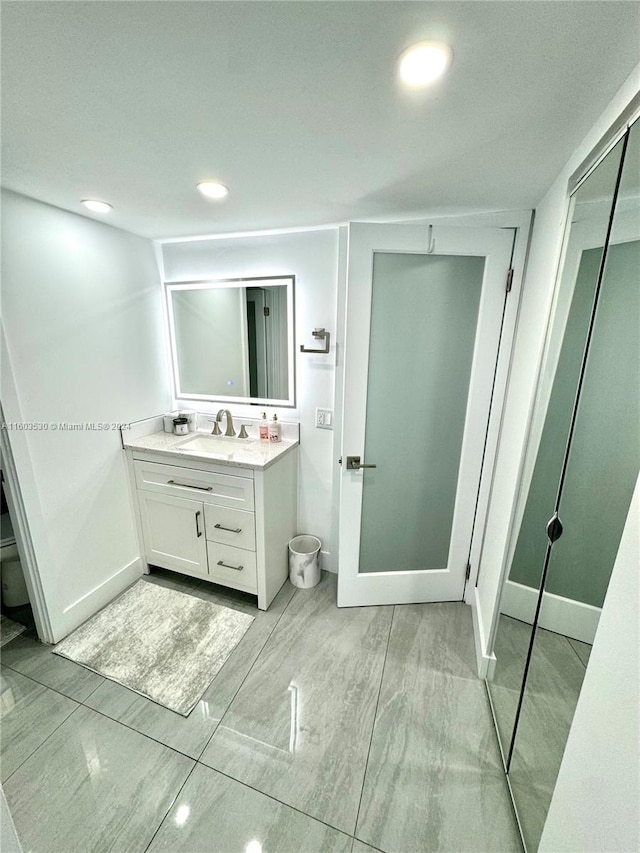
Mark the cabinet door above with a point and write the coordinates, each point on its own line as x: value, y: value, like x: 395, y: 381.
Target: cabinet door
x: 174, y: 533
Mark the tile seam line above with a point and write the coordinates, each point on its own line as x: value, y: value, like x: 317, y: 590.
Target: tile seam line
x: 249, y: 671
x: 137, y: 731
x: 373, y: 725
x: 68, y: 717
x: 31, y: 754
x: 171, y: 804
x: 83, y: 704
x: 276, y: 800
x: 575, y: 651
x: 55, y: 689
x: 97, y: 687
x: 124, y: 726
x: 28, y: 677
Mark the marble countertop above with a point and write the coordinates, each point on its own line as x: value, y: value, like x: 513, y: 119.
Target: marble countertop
x: 254, y: 453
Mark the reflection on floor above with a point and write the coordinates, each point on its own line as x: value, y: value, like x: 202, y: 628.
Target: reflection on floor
x: 553, y: 685
x: 358, y: 729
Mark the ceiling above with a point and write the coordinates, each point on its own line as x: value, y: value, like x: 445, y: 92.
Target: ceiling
x: 296, y: 108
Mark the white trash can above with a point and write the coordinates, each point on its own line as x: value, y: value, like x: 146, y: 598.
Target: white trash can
x: 304, y: 566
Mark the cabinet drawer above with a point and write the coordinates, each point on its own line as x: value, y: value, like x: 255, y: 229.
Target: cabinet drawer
x: 230, y: 526
x: 221, y: 489
x: 238, y: 567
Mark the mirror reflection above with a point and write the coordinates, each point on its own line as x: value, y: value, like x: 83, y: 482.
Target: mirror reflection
x: 233, y: 340
x: 583, y: 458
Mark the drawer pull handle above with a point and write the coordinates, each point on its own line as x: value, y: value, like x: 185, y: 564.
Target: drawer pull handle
x: 198, y: 531
x: 188, y: 486
x: 229, y: 529
x: 227, y: 566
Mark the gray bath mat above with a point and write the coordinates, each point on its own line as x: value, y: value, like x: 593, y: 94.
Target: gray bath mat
x: 9, y: 630
x: 165, y: 645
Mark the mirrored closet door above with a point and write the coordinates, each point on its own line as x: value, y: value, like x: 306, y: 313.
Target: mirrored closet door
x: 582, y: 464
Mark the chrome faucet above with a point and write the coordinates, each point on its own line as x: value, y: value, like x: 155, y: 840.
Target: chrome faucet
x: 216, y: 426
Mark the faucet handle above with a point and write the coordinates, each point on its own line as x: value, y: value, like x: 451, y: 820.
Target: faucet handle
x: 216, y: 428
x: 243, y: 431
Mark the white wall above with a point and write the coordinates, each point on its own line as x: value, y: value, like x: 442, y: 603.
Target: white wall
x: 312, y: 256
x: 81, y: 313
x: 534, y: 311
x: 596, y: 801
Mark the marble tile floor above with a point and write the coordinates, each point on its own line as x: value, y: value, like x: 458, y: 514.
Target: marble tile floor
x: 349, y: 730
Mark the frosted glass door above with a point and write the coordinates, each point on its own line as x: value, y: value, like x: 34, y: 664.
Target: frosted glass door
x: 422, y: 337
x: 424, y: 315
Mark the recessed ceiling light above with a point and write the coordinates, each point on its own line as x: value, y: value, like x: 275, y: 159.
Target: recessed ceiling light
x: 423, y: 63
x: 212, y: 189
x: 97, y: 206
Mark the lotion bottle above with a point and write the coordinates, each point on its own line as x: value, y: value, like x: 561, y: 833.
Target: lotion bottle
x: 264, y: 427
x: 275, y: 430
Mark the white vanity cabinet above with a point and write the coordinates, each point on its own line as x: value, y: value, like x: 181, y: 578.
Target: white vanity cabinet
x: 228, y: 525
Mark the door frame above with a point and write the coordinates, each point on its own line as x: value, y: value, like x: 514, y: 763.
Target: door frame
x: 521, y: 223
x: 498, y: 243
x: 22, y: 533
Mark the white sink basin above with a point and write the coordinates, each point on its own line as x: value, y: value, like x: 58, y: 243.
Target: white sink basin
x: 215, y: 445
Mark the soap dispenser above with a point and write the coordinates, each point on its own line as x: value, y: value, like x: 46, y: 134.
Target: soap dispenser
x: 275, y: 430
x: 264, y: 427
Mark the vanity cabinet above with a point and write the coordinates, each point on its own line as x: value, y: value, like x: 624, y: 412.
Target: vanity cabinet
x: 228, y: 525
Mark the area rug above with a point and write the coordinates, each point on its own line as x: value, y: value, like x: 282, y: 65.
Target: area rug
x: 9, y: 630
x: 163, y: 644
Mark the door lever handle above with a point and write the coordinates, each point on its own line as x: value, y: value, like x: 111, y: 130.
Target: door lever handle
x: 354, y: 464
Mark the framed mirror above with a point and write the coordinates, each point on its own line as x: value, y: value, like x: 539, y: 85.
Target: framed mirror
x: 232, y: 340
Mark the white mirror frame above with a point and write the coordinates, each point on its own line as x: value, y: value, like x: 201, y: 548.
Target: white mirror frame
x: 206, y: 284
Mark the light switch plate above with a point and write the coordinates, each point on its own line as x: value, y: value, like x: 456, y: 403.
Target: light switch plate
x: 324, y: 418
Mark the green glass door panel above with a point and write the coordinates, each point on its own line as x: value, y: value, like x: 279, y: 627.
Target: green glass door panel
x: 423, y: 325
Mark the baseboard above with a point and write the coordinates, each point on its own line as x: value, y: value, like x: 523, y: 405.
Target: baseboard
x: 485, y: 661
x: 327, y: 563
x: 558, y: 614
x: 78, y: 612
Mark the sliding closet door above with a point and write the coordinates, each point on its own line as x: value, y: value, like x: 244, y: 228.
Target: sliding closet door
x: 583, y: 253
x: 595, y: 487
